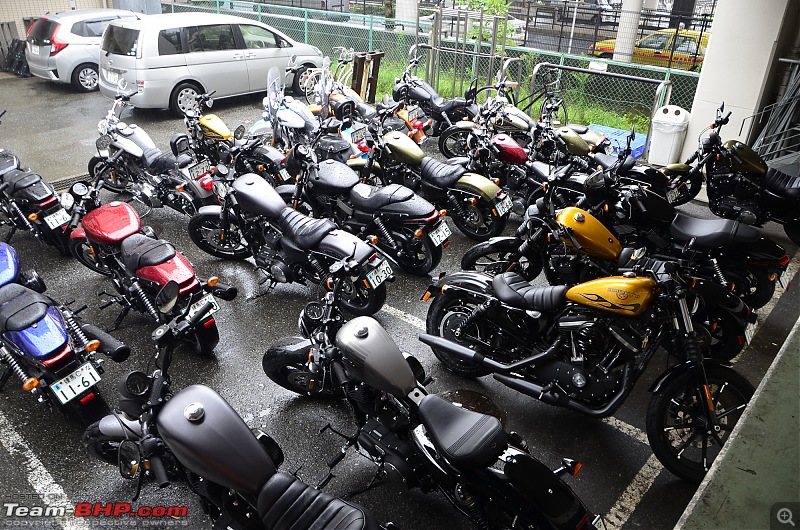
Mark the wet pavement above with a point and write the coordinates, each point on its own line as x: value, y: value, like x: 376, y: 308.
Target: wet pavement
x: 53, y: 130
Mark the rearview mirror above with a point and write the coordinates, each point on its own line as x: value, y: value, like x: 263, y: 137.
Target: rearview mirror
x: 129, y: 459
x: 238, y: 133
x: 167, y: 297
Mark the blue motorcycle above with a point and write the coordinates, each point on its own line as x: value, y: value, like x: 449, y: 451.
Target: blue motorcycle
x: 47, y: 347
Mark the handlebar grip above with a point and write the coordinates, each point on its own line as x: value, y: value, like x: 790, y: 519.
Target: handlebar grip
x: 725, y: 118
x: 3, y: 186
x: 160, y: 474
x: 76, y: 218
x: 201, y: 314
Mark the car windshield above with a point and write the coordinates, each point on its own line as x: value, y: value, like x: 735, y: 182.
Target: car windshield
x: 120, y: 41
x: 274, y: 92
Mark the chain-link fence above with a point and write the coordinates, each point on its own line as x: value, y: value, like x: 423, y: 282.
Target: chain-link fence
x: 463, y: 52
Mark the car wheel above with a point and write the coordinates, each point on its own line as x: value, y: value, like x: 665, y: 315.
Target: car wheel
x: 184, y: 98
x: 84, y: 78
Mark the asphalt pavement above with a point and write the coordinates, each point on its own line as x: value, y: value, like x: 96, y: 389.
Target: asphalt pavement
x: 53, y: 130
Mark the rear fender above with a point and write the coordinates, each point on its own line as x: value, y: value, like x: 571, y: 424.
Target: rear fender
x: 478, y: 184
x: 467, y: 281
x: 78, y: 233
x: 761, y: 253
x: 714, y: 294
x: 680, y: 369
x: 213, y: 209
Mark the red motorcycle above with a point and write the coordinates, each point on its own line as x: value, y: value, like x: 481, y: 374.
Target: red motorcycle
x: 111, y: 241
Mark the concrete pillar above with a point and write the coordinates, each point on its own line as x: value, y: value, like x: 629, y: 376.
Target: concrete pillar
x: 742, y: 51
x: 626, y: 32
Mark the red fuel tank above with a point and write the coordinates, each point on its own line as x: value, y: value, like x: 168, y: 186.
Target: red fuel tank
x: 510, y: 150
x: 111, y: 223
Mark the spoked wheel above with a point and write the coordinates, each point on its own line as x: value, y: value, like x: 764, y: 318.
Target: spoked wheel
x: 308, y: 85
x: 479, y: 221
x: 453, y: 142
x: 115, y: 178
x: 205, y: 231
x: 495, y: 258
x: 444, y: 316
x: 82, y: 250
x: 680, y: 428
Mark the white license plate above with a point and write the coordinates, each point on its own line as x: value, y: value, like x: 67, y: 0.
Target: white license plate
x: 783, y: 282
x: 504, y: 205
x: 749, y: 331
x: 75, y: 383
x: 358, y: 134
x: 61, y: 217
x: 379, y: 275
x: 199, y: 169
x: 34, y: 49
x: 673, y: 194
x: 195, y: 307
x: 111, y: 77
x: 414, y: 113
x: 440, y: 234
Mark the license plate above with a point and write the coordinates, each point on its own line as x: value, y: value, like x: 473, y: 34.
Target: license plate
x: 111, y: 77
x: 783, y: 282
x: 414, y: 113
x: 673, y: 194
x: 75, y: 383
x: 504, y: 205
x: 440, y: 234
x: 749, y: 331
x: 34, y: 49
x: 284, y: 175
x: 195, y: 307
x: 379, y: 275
x: 199, y: 169
x: 358, y: 134
x: 61, y: 217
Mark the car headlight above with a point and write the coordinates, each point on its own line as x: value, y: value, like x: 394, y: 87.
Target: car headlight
x: 317, y: 50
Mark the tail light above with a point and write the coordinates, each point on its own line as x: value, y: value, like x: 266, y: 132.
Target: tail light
x: 362, y: 146
x: 418, y: 125
x: 57, y: 358
x: 433, y: 217
x: 87, y: 398
x: 210, y: 322
x: 56, y: 44
x: 49, y: 201
x: 206, y: 182
x: 784, y: 260
x: 373, y: 257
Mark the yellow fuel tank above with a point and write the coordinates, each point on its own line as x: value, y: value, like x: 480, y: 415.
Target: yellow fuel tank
x: 214, y: 128
x: 594, y: 238
x: 615, y: 294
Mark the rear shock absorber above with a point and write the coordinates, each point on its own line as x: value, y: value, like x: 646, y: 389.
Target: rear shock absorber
x: 718, y: 272
x: 28, y: 225
x: 13, y: 365
x: 477, y: 313
x: 317, y: 266
x: 137, y: 291
x: 456, y: 204
x: 75, y: 330
x: 470, y: 506
x: 385, y: 233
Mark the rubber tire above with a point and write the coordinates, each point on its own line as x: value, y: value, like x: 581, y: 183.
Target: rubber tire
x: 470, y: 261
x: 99, y: 169
x: 725, y: 343
x: 179, y: 95
x: 434, y: 324
x: 661, y: 402
x: 373, y: 303
x: 83, y: 70
x: 695, y: 184
x: 764, y: 288
x: 482, y: 208
x: 90, y: 412
x: 792, y: 229
x: 459, y: 137
x: 101, y: 446
x: 211, y: 221
x: 433, y: 255
x: 79, y: 249
x: 296, y: 88
x: 204, y: 340
x: 285, y: 369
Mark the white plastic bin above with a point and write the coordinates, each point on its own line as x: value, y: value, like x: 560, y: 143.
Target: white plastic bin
x: 669, y: 130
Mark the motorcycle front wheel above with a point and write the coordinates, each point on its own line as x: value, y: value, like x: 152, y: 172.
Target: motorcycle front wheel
x: 82, y: 251
x: 204, y: 339
x: 116, y: 179
x: 101, y: 446
x: 205, y: 231
x: 495, y: 258
x: 479, y: 221
x: 445, y: 314
x: 677, y: 425
x: 453, y: 142
x: 289, y: 370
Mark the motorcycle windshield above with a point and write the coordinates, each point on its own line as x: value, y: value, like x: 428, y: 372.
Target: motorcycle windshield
x: 9, y: 263
x: 274, y: 97
x: 323, y: 90
x: 41, y: 339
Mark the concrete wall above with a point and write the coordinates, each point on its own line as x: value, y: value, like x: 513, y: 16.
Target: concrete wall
x: 15, y: 10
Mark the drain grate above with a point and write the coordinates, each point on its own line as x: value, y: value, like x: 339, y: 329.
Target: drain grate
x: 65, y: 184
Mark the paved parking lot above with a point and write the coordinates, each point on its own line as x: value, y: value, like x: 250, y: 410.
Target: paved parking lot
x: 53, y: 130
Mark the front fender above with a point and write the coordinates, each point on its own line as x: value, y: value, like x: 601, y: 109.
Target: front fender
x: 120, y: 427
x: 678, y: 370
x: 212, y: 209
x: 78, y: 233
x: 478, y: 184
x: 465, y: 125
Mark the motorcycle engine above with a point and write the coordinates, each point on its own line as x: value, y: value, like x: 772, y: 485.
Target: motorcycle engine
x: 733, y: 197
x: 397, y: 455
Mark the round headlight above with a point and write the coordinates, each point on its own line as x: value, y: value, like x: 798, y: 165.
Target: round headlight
x: 67, y: 200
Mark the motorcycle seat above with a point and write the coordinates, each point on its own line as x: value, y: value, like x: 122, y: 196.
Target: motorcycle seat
x: 21, y: 307
x: 465, y: 438
x: 370, y: 198
x: 305, y: 231
x: 20, y: 179
x: 514, y: 290
x: 157, y: 161
x: 440, y: 174
x: 605, y: 161
x: 139, y: 251
x: 541, y: 170
x: 441, y: 104
x: 286, y: 503
x: 712, y: 233
x: 579, y: 129
x: 782, y: 184
x: 366, y: 111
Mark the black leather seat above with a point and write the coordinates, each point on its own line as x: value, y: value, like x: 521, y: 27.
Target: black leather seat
x: 541, y: 170
x: 26, y: 184
x: 440, y: 174
x: 157, y: 161
x: 782, y: 184
x: 579, y: 129
x: 21, y: 307
x: 305, y: 231
x: 605, y: 161
x: 465, y: 438
x: 712, y: 233
x: 366, y: 111
x: 370, y: 198
x: 286, y: 503
x: 515, y: 291
x: 443, y: 104
x: 140, y: 251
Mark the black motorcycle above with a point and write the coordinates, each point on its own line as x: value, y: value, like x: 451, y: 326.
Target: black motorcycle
x: 197, y: 436
x: 486, y: 473
x: 288, y: 246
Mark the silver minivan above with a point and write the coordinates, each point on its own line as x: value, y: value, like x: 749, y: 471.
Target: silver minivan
x: 169, y: 59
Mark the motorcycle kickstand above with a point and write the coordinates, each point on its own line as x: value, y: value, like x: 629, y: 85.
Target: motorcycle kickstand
x: 350, y: 442
x: 122, y: 314
x: 270, y: 286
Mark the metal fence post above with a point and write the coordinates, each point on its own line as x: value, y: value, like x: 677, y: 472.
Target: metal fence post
x: 305, y: 25
x: 217, y: 3
x: 371, y: 30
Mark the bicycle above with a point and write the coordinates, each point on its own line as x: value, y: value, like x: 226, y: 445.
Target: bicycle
x: 342, y: 73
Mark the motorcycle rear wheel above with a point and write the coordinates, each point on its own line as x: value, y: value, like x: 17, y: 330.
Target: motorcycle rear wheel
x: 676, y: 425
x: 82, y: 251
x: 358, y: 299
x: 479, y: 222
x: 91, y: 411
x: 753, y: 286
x: 204, y: 231
x: 418, y: 255
x: 494, y: 259
x: 689, y: 186
x: 453, y: 142
x: 792, y: 229
x: 445, y: 313
x: 724, y: 332
x: 204, y: 339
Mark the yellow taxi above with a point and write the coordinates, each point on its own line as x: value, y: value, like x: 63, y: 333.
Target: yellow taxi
x: 656, y: 48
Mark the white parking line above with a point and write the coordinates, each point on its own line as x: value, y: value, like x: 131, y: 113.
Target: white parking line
x: 405, y: 317
x: 630, y: 498
x: 50, y: 492
x: 627, y: 428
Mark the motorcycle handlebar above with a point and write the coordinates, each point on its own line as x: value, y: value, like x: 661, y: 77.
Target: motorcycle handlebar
x: 113, y: 158
x: 160, y: 474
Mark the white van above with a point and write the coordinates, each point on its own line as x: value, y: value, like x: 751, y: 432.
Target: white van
x: 169, y: 59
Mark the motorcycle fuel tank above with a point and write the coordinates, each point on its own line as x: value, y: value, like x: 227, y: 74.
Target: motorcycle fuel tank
x: 214, y: 128
x: 750, y: 161
x: 9, y: 263
x: 594, y: 238
x: 208, y: 437
x: 403, y: 149
x: 510, y: 150
x: 575, y: 144
x: 255, y: 195
x: 43, y: 338
x: 615, y: 294
x: 177, y: 269
x: 111, y: 223
x: 373, y: 357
